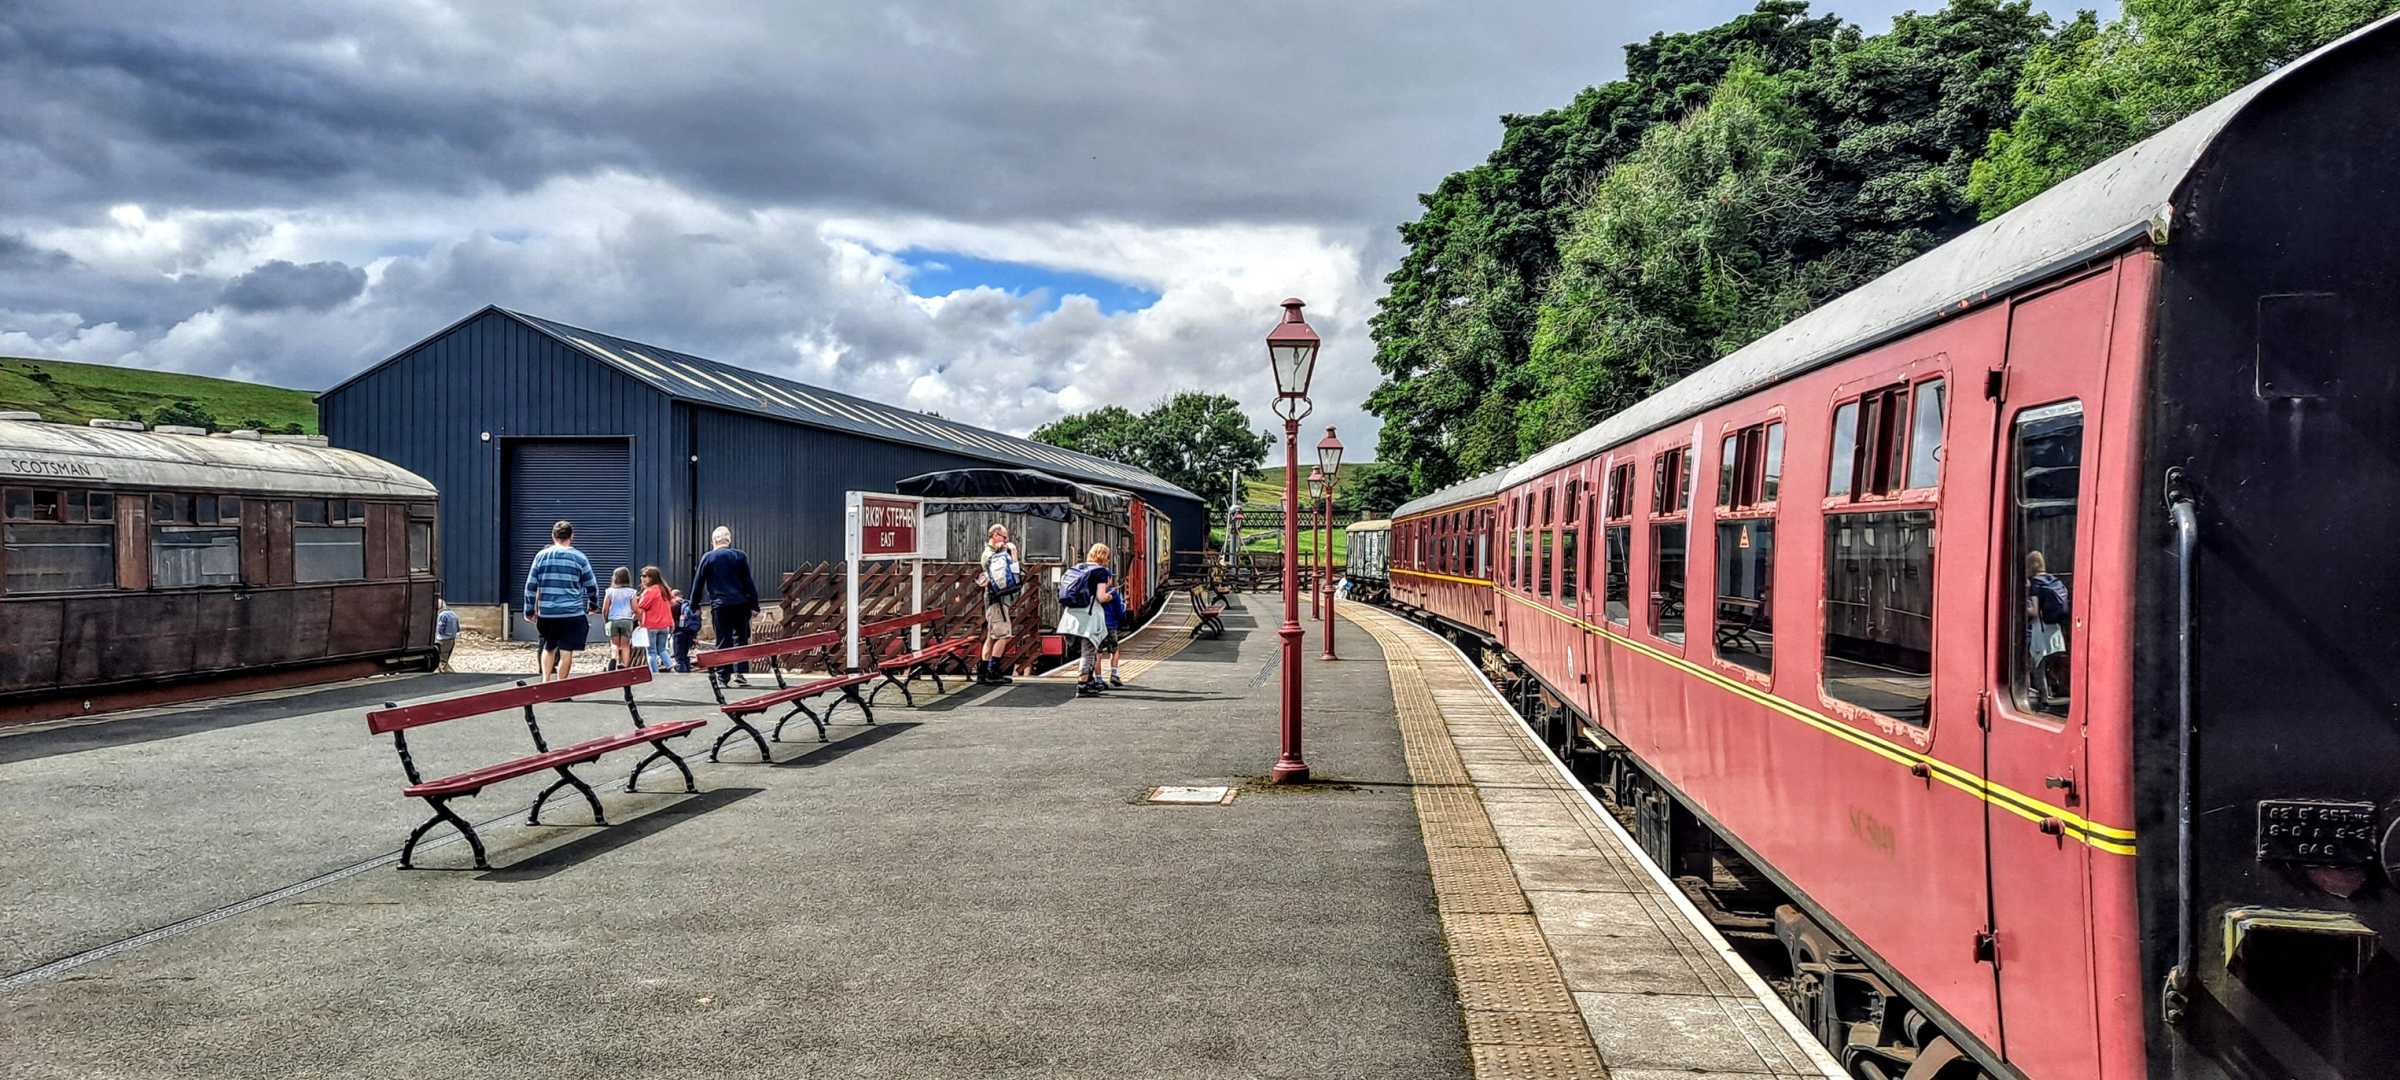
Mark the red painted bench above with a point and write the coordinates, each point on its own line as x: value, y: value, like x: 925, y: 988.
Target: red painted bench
x: 396, y: 722
x: 899, y: 665
x: 797, y: 696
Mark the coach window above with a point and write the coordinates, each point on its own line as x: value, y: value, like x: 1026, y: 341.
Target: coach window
x: 329, y: 540
x: 420, y: 539
x: 195, y: 540
x: 2045, y: 467
x: 1483, y: 541
x: 1617, y: 545
x: 58, y: 540
x: 1545, y: 544
x: 1670, y: 497
x: 1566, y: 543
x: 1879, y: 611
x: 1745, y: 625
x: 1524, y: 549
x: 1925, y: 435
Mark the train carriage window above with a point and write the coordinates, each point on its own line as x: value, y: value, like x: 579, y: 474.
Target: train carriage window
x: 1667, y: 581
x: 1566, y: 544
x: 2045, y: 484
x: 1925, y: 436
x: 1616, y: 581
x: 1745, y: 633
x: 1879, y: 611
x: 1771, y: 473
x: 183, y: 556
x: 1728, y: 462
x: 420, y: 547
x: 1544, y: 542
x: 326, y: 545
x: 52, y: 546
x: 229, y: 510
x: 1845, y: 450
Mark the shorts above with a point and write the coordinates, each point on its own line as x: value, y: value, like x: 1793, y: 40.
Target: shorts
x: 563, y: 633
x: 620, y: 628
x: 995, y: 621
x: 1109, y: 643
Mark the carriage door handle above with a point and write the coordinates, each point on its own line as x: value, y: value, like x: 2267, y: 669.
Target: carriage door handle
x: 2061, y: 783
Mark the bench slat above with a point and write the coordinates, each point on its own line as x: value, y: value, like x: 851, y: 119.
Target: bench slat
x: 383, y: 721
x: 766, y: 650
x: 930, y: 652
x: 887, y: 626
x: 589, y: 749
x: 764, y: 702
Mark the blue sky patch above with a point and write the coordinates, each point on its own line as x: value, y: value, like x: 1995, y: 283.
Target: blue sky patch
x: 939, y: 273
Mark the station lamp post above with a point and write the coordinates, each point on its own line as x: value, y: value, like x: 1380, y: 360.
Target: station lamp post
x: 1292, y: 353
x: 1316, y: 499
x: 1329, y: 461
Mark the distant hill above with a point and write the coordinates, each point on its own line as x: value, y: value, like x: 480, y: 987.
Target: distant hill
x: 1264, y: 486
x: 74, y: 393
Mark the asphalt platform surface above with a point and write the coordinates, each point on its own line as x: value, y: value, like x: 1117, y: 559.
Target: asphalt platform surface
x: 971, y: 888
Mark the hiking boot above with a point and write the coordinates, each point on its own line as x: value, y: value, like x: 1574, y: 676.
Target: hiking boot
x: 1115, y: 680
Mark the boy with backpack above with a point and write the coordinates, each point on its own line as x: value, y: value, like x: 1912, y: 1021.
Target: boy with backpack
x: 1083, y: 592
x: 1002, y: 579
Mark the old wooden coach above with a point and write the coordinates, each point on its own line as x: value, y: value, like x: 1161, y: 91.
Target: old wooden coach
x: 139, y: 566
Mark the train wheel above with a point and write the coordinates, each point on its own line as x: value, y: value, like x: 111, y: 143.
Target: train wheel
x: 1942, y: 1060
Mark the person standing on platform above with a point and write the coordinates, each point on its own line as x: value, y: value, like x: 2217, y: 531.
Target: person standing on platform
x: 1113, y: 645
x: 622, y: 619
x: 1002, y: 579
x: 657, y: 612
x: 723, y: 580
x: 445, y: 634
x: 687, y: 631
x: 561, y: 595
x: 1081, y: 592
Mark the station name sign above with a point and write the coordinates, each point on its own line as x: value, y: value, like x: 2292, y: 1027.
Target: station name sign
x: 49, y: 467
x: 885, y: 526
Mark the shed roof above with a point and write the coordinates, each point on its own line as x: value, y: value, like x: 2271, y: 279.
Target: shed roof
x: 708, y: 382
x: 2103, y: 209
x: 31, y: 451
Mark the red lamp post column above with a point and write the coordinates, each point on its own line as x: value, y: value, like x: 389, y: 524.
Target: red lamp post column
x: 1316, y: 588
x: 1329, y: 462
x: 1292, y: 352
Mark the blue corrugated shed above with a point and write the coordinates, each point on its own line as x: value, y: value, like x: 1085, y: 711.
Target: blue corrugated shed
x: 708, y: 444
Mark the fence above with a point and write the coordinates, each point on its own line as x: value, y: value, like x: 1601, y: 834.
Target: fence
x: 813, y: 597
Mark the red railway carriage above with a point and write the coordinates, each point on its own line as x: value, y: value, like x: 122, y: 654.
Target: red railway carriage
x: 2005, y: 614
x: 1441, y: 554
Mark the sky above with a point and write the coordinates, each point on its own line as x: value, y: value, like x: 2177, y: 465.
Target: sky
x: 1003, y: 211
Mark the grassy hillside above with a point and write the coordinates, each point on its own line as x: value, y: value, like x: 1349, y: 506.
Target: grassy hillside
x: 1264, y: 487
x: 78, y: 392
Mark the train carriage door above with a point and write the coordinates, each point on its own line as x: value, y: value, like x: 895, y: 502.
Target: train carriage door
x: 2047, y: 436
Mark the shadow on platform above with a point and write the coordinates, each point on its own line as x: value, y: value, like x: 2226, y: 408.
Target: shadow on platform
x: 602, y: 839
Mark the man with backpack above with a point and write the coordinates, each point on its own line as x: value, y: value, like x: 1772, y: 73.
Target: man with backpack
x: 1083, y: 593
x: 1002, y: 579
x: 2048, y: 612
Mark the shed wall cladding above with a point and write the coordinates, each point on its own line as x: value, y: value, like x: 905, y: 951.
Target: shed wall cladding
x: 779, y: 486
x: 427, y: 412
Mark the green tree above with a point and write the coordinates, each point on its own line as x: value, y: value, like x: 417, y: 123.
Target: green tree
x: 1371, y: 488
x: 186, y: 412
x: 1678, y: 257
x: 1193, y: 440
x: 1106, y: 432
x: 2094, y: 90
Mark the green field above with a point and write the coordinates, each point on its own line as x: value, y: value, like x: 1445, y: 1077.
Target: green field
x: 74, y: 393
x: 1273, y: 541
x: 1264, y: 487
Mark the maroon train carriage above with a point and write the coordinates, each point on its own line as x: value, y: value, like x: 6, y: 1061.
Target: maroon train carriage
x: 138, y: 567
x: 2015, y: 625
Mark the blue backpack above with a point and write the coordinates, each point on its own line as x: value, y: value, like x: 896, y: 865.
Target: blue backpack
x: 2050, y: 599
x: 1005, y: 583
x: 1075, y: 587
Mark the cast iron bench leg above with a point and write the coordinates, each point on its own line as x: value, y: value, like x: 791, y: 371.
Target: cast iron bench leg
x: 442, y: 813
x: 567, y: 779
x: 741, y: 725
x: 850, y: 693
x: 799, y: 709
x: 658, y: 750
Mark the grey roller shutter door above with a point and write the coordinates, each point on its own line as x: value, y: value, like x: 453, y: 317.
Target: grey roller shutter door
x: 586, y: 481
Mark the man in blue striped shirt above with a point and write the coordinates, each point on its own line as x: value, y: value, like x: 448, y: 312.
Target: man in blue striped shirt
x: 560, y: 592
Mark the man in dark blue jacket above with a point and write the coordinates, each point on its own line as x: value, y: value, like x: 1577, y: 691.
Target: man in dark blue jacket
x: 723, y: 581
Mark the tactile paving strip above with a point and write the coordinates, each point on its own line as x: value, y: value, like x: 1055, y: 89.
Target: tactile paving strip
x: 1522, y: 1024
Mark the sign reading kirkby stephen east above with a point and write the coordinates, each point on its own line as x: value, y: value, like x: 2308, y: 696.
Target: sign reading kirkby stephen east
x: 884, y: 526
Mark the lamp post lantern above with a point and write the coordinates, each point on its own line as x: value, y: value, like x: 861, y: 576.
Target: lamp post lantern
x: 1292, y: 354
x: 1329, y: 462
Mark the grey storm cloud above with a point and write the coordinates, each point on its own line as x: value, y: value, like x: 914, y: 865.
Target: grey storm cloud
x: 288, y: 190
x: 280, y: 283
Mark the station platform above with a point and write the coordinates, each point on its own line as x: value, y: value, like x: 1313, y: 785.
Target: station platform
x: 977, y: 887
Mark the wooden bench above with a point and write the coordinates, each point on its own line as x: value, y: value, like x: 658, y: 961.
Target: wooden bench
x: 1211, y: 611
x: 396, y: 721
x: 899, y: 665
x: 796, y: 695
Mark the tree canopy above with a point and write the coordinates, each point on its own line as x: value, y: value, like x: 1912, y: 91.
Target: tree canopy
x: 1193, y: 440
x: 1740, y: 175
